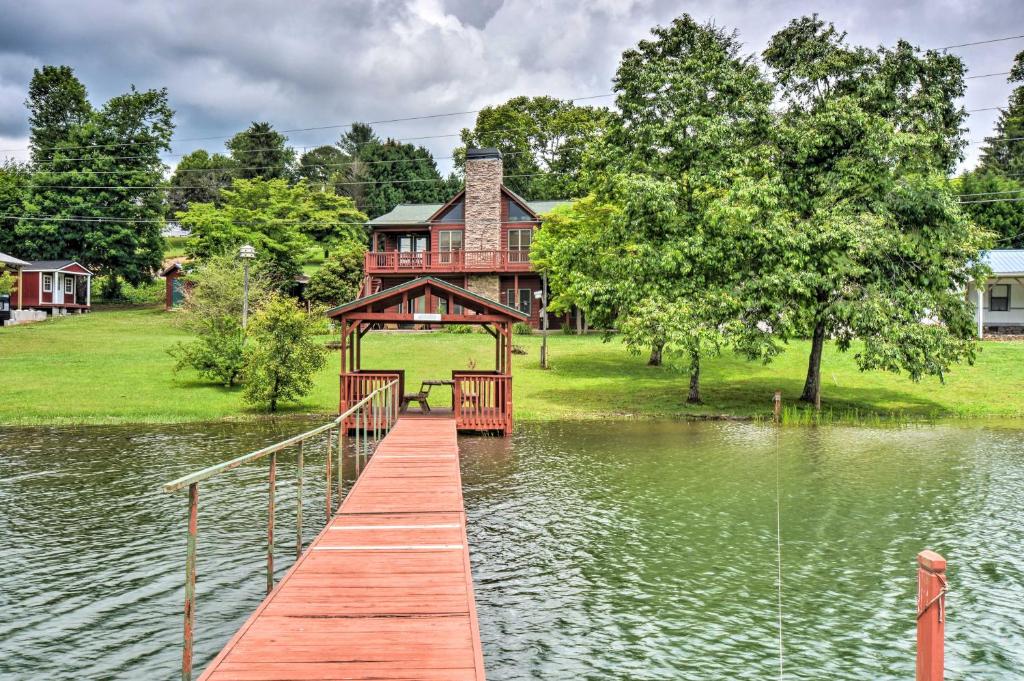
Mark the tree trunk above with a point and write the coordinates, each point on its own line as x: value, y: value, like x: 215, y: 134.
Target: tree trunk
x: 694, y: 396
x: 655, y: 360
x: 579, y: 322
x: 812, y: 386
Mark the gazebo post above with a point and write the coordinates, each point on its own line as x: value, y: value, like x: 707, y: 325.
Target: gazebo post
x: 508, y: 349
x: 358, y: 340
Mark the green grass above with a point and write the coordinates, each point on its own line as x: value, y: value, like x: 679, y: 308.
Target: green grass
x: 174, y: 246
x: 111, y: 366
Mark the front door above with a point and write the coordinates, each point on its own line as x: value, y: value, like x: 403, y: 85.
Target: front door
x: 410, y: 250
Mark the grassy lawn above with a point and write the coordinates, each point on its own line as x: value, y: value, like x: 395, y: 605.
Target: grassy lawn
x: 112, y: 366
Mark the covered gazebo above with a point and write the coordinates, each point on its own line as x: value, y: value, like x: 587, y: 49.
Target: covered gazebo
x: 481, y: 399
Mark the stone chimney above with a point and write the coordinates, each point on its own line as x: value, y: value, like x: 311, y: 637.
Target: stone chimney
x: 483, y: 199
x: 483, y: 212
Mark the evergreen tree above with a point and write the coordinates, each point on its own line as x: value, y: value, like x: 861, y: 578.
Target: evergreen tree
x: 1004, y: 150
x: 394, y: 173
x: 261, y: 151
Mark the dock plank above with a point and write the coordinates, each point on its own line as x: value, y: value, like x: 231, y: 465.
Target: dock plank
x: 385, y: 590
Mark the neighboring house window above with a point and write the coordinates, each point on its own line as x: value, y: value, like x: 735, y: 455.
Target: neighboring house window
x: 69, y: 285
x: 47, y: 283
x: 999, y: 298
x: 456, y: 213
x: 517, y: 213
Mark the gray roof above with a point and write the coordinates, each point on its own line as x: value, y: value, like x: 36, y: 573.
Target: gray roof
x: 1007, y: 261
x: 12, y: 261
x: 48, y: 265
x: 419, y: 213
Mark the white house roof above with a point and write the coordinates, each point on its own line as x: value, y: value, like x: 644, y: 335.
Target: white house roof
x: 12, y: 261
x: 1006, y: 261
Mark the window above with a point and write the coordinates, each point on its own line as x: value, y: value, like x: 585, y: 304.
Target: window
x: 449, y: 240
x: 520, y: 239
x: 47, y: 283
x: 999, y: 298
x: 517, y: 213
x: 519, y: 244
x: 456, y: 213
x: 382, y: 243
x: 523, y: 301
x: 69, y: 285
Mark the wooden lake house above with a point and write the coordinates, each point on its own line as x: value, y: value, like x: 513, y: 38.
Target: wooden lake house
x: 479, y: 240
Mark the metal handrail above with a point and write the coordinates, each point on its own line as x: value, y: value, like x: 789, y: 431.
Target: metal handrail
x: 382, y: 402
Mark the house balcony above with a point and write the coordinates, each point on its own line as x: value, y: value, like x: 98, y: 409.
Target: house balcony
x: 431, y: 262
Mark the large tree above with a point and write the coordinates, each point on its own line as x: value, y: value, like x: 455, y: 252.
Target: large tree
x: 856, y: 230
x: 198, y: 178
x: 542, y: 140
x: 317, y: 166
x: 1004, y: 150
x: 261, y: 151
x: 57, y: 104
x: 393, y: 172
x: 643, y: 253
x: 995, y: 203
x: 86, y: 203
x: 15, y: 180
x: 279, y: 219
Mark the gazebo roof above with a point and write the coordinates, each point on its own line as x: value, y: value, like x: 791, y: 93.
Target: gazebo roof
x: 376, y: 305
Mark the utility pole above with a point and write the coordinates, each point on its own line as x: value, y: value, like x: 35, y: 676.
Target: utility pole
x: 246, y: 253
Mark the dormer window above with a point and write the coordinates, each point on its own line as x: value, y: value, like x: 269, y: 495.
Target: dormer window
x: 455, y: 213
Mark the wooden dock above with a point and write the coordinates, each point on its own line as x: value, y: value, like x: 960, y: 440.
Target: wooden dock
x: 385, y: 591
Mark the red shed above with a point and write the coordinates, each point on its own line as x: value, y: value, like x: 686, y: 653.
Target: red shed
x: 56, y: 285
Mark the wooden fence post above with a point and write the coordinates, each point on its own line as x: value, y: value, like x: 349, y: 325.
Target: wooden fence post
x: 931, y: 616
x: 777, y: 406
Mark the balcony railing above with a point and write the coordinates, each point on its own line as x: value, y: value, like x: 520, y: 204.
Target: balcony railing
x: 448, y: 261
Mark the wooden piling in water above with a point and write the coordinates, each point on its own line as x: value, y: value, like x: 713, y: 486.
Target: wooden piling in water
x: 931, y: 616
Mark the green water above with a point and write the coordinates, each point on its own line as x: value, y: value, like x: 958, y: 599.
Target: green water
x: 600, y: 550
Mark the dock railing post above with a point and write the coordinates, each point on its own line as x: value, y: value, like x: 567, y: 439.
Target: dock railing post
x: 931, y: 616
x: 190, y: 581
x: 298, y: 502
x: 777, y: 406
x: 330, y: 477
x: 270, y: 522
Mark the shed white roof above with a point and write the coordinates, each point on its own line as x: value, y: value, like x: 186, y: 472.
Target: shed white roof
x: 1005, y: 261
x: 12, y: 261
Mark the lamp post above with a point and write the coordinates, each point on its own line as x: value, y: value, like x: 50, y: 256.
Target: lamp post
x: 542, y: 296
x: 246, y: 253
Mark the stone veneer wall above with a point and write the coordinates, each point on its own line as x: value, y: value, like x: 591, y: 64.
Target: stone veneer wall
x: 486, y: 285
x: 483, y: 204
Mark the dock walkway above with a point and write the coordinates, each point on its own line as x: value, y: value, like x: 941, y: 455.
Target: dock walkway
x: 385, y: 591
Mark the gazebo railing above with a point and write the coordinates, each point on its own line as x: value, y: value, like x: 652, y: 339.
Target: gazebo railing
x: 483, y: 400
x: 370, y: 418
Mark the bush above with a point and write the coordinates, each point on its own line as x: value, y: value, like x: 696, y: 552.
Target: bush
x: 340, y: 278
x: 283, y: 353
x: 457, y: 328
x: 522, y: 329
x: 216, y: 354
x: 567, y: 329
x: 6, y: 283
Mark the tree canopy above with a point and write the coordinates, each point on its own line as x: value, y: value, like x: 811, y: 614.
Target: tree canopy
x: 198, y: 178
x: 1004, y: 149
x: 261, y: 151
x: 542, y: 141
x: 84, y: 203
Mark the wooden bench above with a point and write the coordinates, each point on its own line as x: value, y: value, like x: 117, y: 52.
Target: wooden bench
x: 420, y: 398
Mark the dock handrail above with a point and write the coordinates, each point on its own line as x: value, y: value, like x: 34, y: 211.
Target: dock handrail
x: 370, y: 418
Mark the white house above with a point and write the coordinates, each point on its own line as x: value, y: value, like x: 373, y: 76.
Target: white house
x: 999, y: 303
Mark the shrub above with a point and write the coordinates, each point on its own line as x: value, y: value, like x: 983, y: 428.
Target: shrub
x: 216, y: 354
x: 457, y: 328
x: 567, y: 329
x: 283, y: 354
x: 6, y: 283
x: 522, y: 329
x: 339, y: 279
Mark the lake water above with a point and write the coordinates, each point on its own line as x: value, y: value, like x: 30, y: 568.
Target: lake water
x: 600, y: 550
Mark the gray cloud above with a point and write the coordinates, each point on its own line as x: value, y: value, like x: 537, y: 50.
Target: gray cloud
x: 320, y: 63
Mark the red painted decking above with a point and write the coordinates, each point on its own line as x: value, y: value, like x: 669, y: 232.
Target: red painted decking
x: 385, y: 591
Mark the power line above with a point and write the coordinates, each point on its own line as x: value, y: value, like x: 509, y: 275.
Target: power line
x: 980, y: 42
x: 330, y: 223
x: 988, y: 75
x: 307, y: 129
x: 1008, y: 191
x: 1002, y: 200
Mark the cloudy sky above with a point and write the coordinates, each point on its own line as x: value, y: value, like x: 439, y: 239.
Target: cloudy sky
x: 325, y: 63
